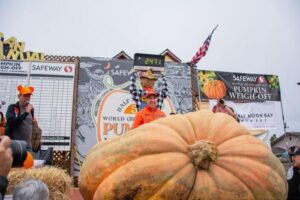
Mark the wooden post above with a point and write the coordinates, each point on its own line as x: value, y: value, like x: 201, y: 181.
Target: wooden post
x: 194, y: 91
x: 74, y: 111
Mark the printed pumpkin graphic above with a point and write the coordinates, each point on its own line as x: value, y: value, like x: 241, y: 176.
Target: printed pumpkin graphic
x: 131, y: 109
x: 214, y: 89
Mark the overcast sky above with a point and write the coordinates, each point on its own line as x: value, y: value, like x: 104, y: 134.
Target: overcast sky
x: 254, y: 36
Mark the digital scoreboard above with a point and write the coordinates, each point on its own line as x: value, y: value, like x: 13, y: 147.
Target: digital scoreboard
x: 146, y: 61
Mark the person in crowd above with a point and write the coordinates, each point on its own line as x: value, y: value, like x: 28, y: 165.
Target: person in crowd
x: 220, y: 107
x: 147, y: 81
x: 6, y: 163
x: 31, y: 189
x: 293, y: 178
x: 173, y: 113
x: 291, y: 151
x: 150, y: 112
x: 20, y: 116
x: 2, y: 119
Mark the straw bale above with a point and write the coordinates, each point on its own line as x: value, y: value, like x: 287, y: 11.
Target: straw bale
x: 57, y: 180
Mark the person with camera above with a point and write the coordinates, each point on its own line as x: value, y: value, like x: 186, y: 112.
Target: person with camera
x: 293, y: 177
x: 6, y: 161
x: 20, y: 117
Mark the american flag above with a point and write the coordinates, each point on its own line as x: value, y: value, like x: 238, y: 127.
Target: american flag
x: 202, y: 51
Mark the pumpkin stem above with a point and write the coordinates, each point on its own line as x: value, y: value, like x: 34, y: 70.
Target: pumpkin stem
x: 203, y: 153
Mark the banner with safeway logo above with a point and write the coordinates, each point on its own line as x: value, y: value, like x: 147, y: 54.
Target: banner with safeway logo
x: 37, y: 68
x: 61, y: 69
x: 256, y: 115
x: 238, y: 87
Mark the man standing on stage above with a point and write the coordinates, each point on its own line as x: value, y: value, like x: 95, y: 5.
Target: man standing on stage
x: 150, y: 112
x: 20, y: 116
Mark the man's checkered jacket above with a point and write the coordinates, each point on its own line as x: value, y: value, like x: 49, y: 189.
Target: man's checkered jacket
x: 137, y: 94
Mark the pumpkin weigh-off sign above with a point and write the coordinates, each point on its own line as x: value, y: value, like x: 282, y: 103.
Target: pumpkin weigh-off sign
x: 200, y: 155
x: 238, y: 87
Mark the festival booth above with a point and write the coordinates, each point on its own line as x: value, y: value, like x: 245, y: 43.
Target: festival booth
x: 80, y: 102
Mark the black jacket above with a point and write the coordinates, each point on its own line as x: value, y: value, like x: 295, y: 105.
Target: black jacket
x: 14, y: 117
x: 3, y: 186
x: 294, y: 184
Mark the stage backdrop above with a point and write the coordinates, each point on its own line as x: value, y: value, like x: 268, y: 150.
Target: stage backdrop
x: 254, y: 97
x: 105, y: 109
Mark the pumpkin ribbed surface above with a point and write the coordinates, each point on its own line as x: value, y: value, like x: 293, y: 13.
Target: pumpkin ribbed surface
x: 196, y: 156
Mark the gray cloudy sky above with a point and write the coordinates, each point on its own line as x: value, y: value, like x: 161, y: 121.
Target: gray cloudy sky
x: 254, y: 36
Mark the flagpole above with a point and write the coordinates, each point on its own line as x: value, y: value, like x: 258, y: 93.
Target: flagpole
x: 284, y: 129
x: 214, y: 29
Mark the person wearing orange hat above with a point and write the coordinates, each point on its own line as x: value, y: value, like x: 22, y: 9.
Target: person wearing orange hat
x: 150, y: 112
x: 20, y: 116
x: 147, y: 82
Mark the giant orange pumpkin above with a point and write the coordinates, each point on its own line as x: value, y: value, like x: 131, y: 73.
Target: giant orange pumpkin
x: 196, y: 156
x: 214, y: 89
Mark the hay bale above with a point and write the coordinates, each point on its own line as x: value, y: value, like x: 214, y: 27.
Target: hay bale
x: 57, y: 180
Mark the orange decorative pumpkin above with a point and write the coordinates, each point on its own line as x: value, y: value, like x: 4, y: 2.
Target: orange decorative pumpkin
x: 199, y: 155
x: 214, y: 89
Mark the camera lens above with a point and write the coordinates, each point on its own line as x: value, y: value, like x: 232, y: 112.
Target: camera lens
x: 19, y: 152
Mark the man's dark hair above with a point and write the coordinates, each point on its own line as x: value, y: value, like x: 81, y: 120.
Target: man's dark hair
x: 292, y: 148
x: 221, y: 101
